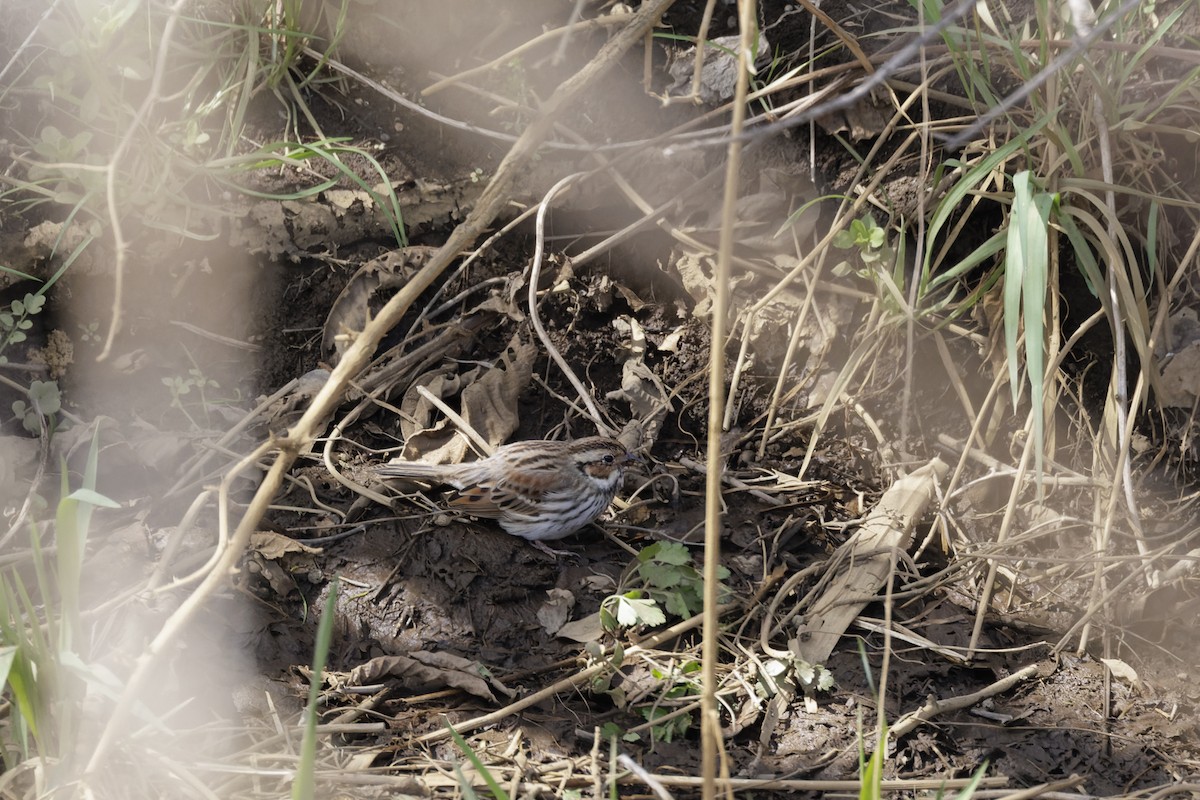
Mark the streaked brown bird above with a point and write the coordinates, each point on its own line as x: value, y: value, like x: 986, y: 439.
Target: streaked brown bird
x: 537, y: 490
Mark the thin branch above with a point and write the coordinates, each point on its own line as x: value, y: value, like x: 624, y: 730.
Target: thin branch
x: 535, y: 272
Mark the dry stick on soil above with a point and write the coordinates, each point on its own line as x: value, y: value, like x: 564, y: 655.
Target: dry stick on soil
x: 895, y: 630
x: 698, y: 64
x: 989, y: 583
x: 490, y: 203
x: 973, y: 437
x: 736, y: 483
x: 933, y: 707
x: 987, y: 787
x: 896, y: 61
x: 463, y: 426
x: 644, y: 776
x: 842, y: 35
x: 1010, y: 508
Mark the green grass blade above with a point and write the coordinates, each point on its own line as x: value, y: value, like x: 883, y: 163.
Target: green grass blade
x: 1027, y: 277
x: 968, y: 791
x: 1085, y: 259
x: 495, y: 788
x: 304, y: 788
x: 973, y: 177
x: 21, y: 680
x: 872, y: 771
x: 1014, y: 278
x: 71, y: 544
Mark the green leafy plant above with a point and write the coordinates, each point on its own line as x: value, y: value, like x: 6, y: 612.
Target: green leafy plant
x: 864, y: 235
x: 678, y: 687
x: 611, y: 730
x: 15, y: 321
x: 41, y: 668
x: 1026, y: 281
x: 44, y: 402
x: 875, y: 260
x: 669, y: 583
x: 793, y: 674
x: 180, y: 386
x: 90, y: 333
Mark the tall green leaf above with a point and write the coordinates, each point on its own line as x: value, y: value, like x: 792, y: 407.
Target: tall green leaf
x: 1026, y: 280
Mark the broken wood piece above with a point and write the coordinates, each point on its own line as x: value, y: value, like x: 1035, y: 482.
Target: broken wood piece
x: 868, y: 554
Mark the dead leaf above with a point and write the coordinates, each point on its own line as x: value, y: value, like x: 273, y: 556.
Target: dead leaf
x: 489, y: 402
x: 351, y: 311
x: 718, y: 70
x: 423, y: 671
x: 553, y: 613
x: 648, y: 399
x: 587, y: 629
x: 422, y: 424
x: 1183, y: 329
x: 865, y: 119
x: 269, y: 544
x: 1180, y: 383
x: 273, y: 572
x: 635, y: 303
x: 284, y: 411
x: 697, y: 272
x: 1122, y: 670
x: 670, y: 342
x: 889, y: 526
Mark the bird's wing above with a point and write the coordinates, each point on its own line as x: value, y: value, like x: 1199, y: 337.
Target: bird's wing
x: 505, y: 497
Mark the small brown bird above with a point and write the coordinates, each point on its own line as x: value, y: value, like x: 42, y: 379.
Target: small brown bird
x: 537, y: 490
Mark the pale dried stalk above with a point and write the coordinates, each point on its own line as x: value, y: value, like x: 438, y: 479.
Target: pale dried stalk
x: 507, y: 59
x: 817, y: 253
x: 712, y: 751
x: 120, y: 245
x: 535, y: 272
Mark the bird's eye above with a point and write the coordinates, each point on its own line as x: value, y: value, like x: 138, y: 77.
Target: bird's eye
x: 608, y: 459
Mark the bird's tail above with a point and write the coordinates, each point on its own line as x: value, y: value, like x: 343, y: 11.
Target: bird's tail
x: 416, y: 470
